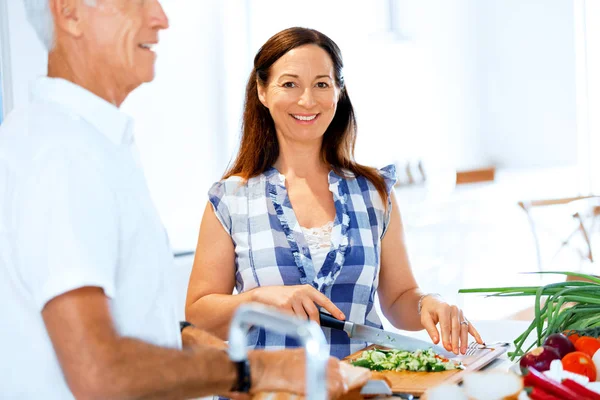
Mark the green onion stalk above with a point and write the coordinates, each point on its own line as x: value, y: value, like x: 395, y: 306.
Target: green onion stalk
x: 571, y: 307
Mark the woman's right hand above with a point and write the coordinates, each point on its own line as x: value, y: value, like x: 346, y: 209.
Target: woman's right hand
x: 298, y: 300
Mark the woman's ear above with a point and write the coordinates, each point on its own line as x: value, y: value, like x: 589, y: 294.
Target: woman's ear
x: 262, y: 93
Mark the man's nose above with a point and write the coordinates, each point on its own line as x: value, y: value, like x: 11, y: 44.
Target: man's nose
x: 159, y: 19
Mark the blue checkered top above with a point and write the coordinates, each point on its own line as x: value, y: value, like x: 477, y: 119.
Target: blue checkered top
x: 270, y: 248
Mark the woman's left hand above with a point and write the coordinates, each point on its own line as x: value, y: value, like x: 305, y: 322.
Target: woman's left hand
x: 454, y: 327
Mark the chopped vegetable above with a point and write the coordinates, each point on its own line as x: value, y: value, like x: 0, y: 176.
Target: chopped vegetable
x: 492, y: 384
x: 535, y: 393
x: 400, y: 360
x: 534, y: 378
x: 581, y: 390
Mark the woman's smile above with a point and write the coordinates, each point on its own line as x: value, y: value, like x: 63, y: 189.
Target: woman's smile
x: 305, y: 119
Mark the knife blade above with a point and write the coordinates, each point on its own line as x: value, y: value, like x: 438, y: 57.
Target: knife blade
x: 381, y: 337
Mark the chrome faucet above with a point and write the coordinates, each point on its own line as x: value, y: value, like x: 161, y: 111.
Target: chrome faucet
x: 308, y: 332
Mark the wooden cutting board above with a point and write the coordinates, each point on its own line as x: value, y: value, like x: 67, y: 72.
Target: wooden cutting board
x: 416, y: 383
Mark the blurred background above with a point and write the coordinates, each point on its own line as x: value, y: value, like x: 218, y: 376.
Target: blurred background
x: 489, y: 108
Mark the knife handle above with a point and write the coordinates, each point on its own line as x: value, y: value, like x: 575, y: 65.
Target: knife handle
x: 328, y: 321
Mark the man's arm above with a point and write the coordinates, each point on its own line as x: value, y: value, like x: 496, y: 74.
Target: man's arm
x: 99, y: 364
x: 192, y: 338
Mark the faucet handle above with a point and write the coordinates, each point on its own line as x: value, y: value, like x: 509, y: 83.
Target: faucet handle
x: 308, y: 332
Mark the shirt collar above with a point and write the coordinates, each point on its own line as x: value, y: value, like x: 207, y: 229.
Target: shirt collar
x: 104, y: 116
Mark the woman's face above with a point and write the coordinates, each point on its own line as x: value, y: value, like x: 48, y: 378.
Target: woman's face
x: 301, y: 94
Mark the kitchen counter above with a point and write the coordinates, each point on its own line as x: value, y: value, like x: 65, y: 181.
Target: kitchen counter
x: 491, y: 331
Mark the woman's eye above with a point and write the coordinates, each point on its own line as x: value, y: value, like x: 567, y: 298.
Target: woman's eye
x: 322, y: 85
x: 289, y: 85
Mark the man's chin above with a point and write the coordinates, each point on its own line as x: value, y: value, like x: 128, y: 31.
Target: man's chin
x: 149, y: 78
x: 145, y: 75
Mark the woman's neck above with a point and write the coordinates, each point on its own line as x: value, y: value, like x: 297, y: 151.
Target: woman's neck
x: 301, y: 160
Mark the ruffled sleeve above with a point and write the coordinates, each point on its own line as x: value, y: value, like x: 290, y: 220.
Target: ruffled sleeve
x: 390, y: 178
x: 218, y: 200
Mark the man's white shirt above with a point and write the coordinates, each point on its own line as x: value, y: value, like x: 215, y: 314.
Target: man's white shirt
x: 75, y: 211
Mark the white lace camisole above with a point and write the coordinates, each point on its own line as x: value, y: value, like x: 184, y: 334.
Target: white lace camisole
x: 319, y: 243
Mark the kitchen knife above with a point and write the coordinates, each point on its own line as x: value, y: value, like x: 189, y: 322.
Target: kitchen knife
x: 381, y: 337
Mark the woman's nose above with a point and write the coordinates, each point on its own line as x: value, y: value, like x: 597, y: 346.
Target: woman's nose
x: 306, y: 100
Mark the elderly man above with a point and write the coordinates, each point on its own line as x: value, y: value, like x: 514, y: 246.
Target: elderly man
x: 84, y: 261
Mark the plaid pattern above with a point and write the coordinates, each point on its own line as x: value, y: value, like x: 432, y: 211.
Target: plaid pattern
x: 271, y: 249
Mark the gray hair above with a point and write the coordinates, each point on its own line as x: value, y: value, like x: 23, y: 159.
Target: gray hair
x: 40, y: 18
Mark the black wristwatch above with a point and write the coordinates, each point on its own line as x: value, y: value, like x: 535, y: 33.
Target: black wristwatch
x: 183, y: 325
x: 242, y: 384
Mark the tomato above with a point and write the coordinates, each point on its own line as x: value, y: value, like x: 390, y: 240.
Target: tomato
x: 580, y: 363
x: 588, y: 345
x: 572, y: 335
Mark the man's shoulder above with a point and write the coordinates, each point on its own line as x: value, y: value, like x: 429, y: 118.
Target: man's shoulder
x: 37, y: 129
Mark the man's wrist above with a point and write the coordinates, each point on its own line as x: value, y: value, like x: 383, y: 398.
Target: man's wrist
x: 255, y: 358
x: 243, y: 381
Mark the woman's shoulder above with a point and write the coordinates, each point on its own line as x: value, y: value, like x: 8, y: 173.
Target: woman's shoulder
x: 388, y: 173
x: 236, y: 185
x: 232, y: 185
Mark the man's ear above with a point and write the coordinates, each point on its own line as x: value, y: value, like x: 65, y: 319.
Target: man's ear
x: 67, y: 16
x: 262, y: 93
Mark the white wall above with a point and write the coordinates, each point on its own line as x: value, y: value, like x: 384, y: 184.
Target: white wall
x: 526, y: 79
x: 180, y: 118
x: 443, y: 32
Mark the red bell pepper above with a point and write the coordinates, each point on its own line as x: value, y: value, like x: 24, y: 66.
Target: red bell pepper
x: 580, y: 389
x: 534, y: 378
x: 535, y: 393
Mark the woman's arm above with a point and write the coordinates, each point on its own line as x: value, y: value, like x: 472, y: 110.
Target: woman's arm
x: 210, y: 304
x: 399, y: 295
x: 398, y: 290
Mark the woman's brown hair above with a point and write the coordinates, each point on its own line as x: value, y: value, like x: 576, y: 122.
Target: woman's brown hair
x: 259, y: 147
